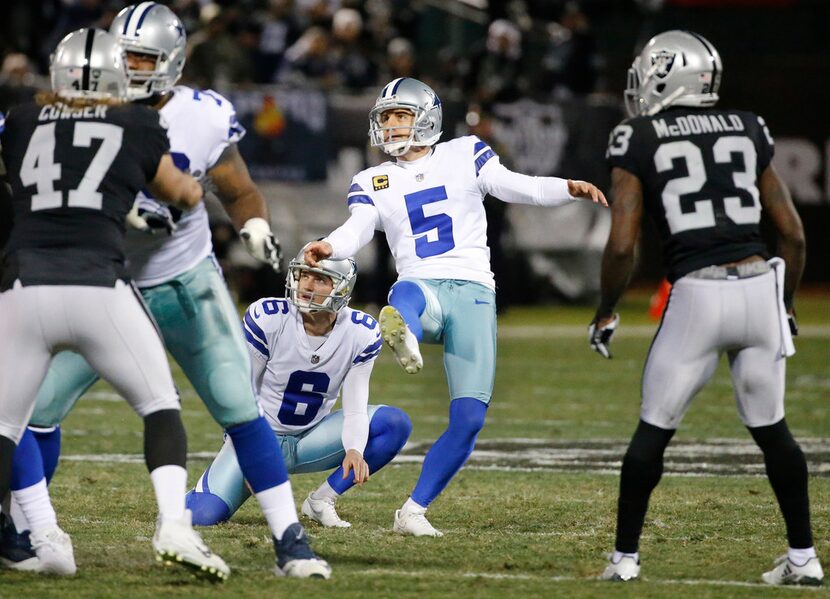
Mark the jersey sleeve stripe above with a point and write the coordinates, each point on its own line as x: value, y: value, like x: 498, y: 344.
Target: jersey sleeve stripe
x: 257, y: 344
x: 255, y: 329
x: 362, y: 199
x: 365, y: 358
x: 374, y: 347
x: 480, y: 145
x: 482, y: 160
x: 355, y: 187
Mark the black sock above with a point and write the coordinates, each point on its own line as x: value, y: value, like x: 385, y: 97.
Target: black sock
x: 7, y: 447
x: 165, y: 442
x: 641, y: 471
x: 787, y: 474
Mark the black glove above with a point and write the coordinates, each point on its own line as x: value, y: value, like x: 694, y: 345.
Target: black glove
x: 600, y: 338
x: 793, y: 324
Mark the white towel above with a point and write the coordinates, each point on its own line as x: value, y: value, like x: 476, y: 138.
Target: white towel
x: 787, y: 345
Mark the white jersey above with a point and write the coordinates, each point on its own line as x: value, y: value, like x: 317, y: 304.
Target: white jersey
x: 432, y: 211
x: 296, y: 383
x: 201, y: 124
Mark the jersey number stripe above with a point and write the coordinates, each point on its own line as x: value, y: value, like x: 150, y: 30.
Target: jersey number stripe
x: 40, y: 169
x: 702, y: 215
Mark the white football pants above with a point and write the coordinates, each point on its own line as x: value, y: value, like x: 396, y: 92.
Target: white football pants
x: 107, y: 325
x: 704, y: 319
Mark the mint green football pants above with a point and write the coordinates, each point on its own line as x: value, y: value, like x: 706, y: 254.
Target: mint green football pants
x: 201, y: 329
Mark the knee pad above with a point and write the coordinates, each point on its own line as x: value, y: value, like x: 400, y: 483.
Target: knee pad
x: 394, y: 420
x: 208, y: 509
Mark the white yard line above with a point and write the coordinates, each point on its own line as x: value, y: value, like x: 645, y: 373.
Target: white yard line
x: 634, y: 330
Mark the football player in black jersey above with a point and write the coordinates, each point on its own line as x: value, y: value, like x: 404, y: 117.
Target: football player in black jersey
x: 75, y: 159
x: 704, y: 175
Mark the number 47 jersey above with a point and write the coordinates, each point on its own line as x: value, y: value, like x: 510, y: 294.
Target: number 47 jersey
x: 297, y: 378
x: 699, y: 169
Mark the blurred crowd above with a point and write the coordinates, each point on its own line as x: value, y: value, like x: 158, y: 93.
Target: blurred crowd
x: 542, y: 50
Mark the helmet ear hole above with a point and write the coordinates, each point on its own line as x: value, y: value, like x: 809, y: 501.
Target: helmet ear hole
x: 660, y: 87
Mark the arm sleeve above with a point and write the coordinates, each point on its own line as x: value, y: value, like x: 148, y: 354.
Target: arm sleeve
x: 355, y: 401
x: 355, y: 233
x: 499, y: 181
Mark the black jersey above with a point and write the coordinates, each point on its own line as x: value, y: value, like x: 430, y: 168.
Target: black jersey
x: 699, y: 169
x: 74, y: 174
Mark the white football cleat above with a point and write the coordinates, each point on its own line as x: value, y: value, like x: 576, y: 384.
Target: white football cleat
x: 625, y: 570
x: 295, y: 557
x: 786, y: 572
x: 410, y: 522
x: 400, y: 339
x: 322, y: 511
x: 176, y: 543
x: 53, y: 548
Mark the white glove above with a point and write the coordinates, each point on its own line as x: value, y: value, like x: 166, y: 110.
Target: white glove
x: 151, y: 217
x: 261, y: 243
x: 600, y: 338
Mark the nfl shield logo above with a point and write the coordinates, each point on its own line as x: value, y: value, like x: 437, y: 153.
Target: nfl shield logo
x: 315, y: 358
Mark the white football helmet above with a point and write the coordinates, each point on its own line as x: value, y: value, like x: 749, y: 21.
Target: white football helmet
x: 676, y: 68
x: 154, y: 30
x: 412, y: 95
x: 89, y: 63
x: 343, y: 275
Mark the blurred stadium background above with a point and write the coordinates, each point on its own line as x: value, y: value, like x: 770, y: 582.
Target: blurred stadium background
x: 542, y: 80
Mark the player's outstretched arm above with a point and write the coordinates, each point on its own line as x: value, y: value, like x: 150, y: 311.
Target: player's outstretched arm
x: 618, y: 257
x: 777, y: 203
x: 175, y: 187
x: 246, y: 206
x: 316, y: 251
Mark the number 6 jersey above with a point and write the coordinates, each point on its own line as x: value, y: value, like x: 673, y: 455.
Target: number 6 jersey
x: 699, y: 169
x: 298, y: 378
x: 74, y: 173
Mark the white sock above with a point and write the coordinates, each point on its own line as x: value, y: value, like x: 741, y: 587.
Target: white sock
x: 169, y: 483
x: 325, y: 491
x: 21, y: 522
x: 35, y: 505
x: 801, y: 556
x: 618, y: 555
x: 278, y: 507
x: 411, y: 506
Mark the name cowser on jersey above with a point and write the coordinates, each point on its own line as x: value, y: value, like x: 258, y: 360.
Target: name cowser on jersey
x: 201, y: 125
x: 432, y: 211
x: 700, y: 170
x: 74, y: 173
x: 300, y: 382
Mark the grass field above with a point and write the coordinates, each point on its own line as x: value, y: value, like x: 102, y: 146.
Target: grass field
x: 533, y: 513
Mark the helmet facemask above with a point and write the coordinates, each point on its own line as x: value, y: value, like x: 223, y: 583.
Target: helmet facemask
x: 341, y: 293
x: 413, y: 96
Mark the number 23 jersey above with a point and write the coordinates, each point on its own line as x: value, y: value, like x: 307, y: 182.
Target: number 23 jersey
x: 699, y: 169
x: 295, y: 381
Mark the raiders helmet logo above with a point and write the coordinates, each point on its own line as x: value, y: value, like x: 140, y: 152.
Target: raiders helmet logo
x: 380, y: 182
x: 663, y: 61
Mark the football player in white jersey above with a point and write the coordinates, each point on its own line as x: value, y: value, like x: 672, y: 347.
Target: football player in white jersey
x: 304, y: 350
x: 429, y: 203
x: 182, y: 284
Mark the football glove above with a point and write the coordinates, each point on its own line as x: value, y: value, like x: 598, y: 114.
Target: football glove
x: 793, y: 324
x: 261, y: 243
x: 151, y: 217
x: 600, y: 338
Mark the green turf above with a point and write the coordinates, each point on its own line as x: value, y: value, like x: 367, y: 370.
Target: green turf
x: 508, y: 533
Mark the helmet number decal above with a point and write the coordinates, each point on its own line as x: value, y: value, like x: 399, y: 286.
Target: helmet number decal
x: 436, y: 228
x: 303, y: 397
